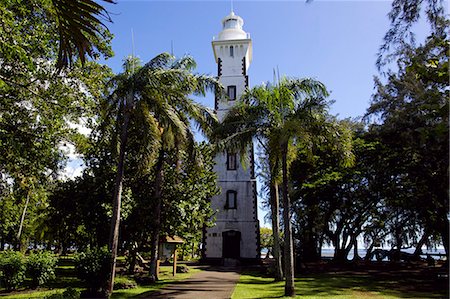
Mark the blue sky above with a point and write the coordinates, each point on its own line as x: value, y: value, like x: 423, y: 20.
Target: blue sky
x: 335, y: 42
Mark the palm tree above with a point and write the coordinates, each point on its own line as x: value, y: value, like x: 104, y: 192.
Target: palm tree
x: 80, y: 28
x: 155, y: 97
x: 280, y: 117
x: 176, y: 129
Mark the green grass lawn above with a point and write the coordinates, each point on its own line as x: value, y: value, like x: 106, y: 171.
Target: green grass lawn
x: 165, y: 278
x: 355, y: 286
x: 66, y: 277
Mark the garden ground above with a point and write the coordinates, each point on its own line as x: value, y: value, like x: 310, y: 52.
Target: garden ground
x: 66, y: 277
x: 320, y: 280
x: 361, y: 280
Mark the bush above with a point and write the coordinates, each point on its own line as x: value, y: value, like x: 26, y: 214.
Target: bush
x: 144, y: 279
x: 12, y: 269
x: 182, y: 269
x: 67, y: 294
x: 93, y: 267
x: 41, y: 267
x: 121, y: 283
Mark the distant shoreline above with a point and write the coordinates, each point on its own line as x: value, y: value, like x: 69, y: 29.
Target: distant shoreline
x: 329, y: 252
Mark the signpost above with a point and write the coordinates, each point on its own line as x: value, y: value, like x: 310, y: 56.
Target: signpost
x: 167, y: 248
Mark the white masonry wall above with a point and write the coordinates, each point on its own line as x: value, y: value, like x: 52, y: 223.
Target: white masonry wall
x: 244, y: 218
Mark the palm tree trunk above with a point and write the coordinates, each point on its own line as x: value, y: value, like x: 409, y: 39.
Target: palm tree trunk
x: 22, y: 219
x: 289, y: 288
x: 275, y: 210
x: 115, y: 220
x: 157, y: 220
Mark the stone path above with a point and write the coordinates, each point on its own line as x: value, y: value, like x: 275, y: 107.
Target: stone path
x: 213, y: 282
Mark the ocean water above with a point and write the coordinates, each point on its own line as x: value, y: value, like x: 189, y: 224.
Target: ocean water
x: 329, y: 252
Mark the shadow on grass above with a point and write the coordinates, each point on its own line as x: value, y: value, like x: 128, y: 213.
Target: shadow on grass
x: 254, y: 285
x: 149, y: 290
x: 146, y: 291
x: 66, y: 276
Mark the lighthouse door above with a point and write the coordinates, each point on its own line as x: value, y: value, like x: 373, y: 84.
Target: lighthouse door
x: 231, y: 246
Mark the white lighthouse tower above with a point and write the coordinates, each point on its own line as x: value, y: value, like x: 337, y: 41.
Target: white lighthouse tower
x: 236, y: 233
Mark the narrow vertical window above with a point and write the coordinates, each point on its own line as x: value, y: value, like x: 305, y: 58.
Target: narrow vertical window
x: 231, y: 161
x: 231, y: 200
x: 231, y: 51
x: 231, y: 92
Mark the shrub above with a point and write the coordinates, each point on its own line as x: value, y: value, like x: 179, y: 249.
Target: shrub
x: 144, y: 279
x: 41, y: 267
x: 67, y: 294
x: 182, y: 269
x: 121, y: 283
x: 12, y: 269
x: 93, y: 267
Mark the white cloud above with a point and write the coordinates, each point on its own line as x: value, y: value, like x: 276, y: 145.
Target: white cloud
x: 81, y: 127
x: 73, y: 169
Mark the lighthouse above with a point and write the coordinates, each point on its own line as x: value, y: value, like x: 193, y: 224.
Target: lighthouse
x: 235, y: 236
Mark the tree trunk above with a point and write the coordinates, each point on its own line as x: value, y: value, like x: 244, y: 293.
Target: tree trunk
x: 395, y: 256
x: 132, y: 257
x: 309, y: 242
x: 22, y: 219
x: 422, y: 241
x: 275, y: 210
x: 157, y: 218
x: 368, y: 255
x: 115, y: 220
x: 289, y: 288
x: 336, y: 240
x: 356, y: 256
x: 445, y: 241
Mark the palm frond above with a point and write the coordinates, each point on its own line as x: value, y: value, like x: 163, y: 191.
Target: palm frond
x: 205, y: 84
x: 186, y: 63
x: 161, y: 61
x: 170, y: 119
x: 306, y: 87
x: 79, y: 25
x: 145, y: 131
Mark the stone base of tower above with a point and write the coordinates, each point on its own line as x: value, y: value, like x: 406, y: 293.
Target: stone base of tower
x: 232, y: 241
x: 223, y: 262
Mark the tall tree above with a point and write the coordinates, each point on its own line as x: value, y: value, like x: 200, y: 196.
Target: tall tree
x: 411, y: 121
x: 78, y: 212
x: 80, y: 28
x: 332, y: 201
x: 38, y: 104
x: 154, y: 98
x: 403, y: 16
x: 281, y: 116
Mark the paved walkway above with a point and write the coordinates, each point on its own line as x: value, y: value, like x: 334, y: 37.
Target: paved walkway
x: 213, y: 282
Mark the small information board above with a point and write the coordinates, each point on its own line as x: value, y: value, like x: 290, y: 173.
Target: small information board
x: 167, y: 249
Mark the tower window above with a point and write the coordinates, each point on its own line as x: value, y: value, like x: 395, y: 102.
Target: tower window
x: 231, y: 161
x: 231, y: 92
x: 231, y: 51
x: 231, y: 200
